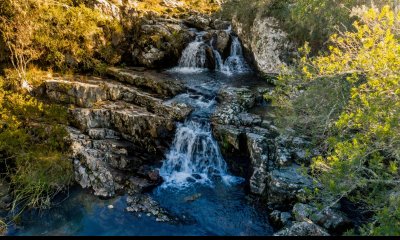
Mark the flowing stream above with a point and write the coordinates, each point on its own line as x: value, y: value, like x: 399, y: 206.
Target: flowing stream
x: 194, y: 166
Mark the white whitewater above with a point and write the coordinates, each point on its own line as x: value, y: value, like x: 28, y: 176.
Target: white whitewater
x: 195, y: 156
x: 235, y: 63
x: 194, y: 58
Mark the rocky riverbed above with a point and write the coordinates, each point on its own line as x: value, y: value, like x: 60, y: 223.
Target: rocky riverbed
x: 123, y: 125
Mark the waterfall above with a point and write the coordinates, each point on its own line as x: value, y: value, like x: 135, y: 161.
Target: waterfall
x: 235, y: 63
x: 194, y: 57
x: 194, y: 156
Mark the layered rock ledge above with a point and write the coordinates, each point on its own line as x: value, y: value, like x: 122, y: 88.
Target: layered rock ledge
x: 118, y: 125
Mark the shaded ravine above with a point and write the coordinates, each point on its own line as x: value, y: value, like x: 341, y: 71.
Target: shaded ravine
x: 198, y: 188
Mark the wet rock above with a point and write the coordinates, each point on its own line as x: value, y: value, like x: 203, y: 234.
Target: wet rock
x: 143, y: 203
x: 193, y: 197
x: 286, y: 185
x: 228, y: 137
x: 280, y: 219
x: 303, y: 229
x: 221, y: 42
x: 258, y: 149
x: 150, y: 173
x: 141, y: 185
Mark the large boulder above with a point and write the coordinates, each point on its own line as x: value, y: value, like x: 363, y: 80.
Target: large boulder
x: 303, y: 229
x: 158, y: 42
x: 198, y: 21
x: 265, y: 43
x: 287, y: 185
x: 280, y: 219
x: 332, y: 220
x: 221, y: 42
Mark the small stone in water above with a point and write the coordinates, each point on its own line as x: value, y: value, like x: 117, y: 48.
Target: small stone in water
x: 110, y: 206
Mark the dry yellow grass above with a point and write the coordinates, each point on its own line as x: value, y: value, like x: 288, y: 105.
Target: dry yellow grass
x: 181, y: 6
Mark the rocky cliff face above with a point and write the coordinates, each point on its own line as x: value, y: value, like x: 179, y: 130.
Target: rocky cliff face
x: 265, y: 43
x: 118, y: 125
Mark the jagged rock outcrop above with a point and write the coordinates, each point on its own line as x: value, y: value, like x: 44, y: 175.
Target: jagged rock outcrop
x: 331, y: 219
x: 243, y: 135
x: 117, y: 126
x: 265, y: 43
x: 303, y: 229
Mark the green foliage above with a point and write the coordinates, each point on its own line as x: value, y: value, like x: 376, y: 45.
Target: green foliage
x: 33, y: 147
x: 362, y: 155
x: 3, y: 227
x: 61, y: 34
x: 311, y: 21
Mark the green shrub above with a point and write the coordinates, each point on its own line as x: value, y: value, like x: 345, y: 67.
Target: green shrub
x: 33, y: 146
x: 362, y: 157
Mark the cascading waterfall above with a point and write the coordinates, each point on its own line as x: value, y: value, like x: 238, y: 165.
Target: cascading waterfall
x: 195, y: 156
x: 235, y: 63
x: 194, y: 57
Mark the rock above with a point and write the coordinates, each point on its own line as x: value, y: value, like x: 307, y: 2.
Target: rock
x: 280, y: 219
x: 303, y: 229
x: 198, y: 21
x: 221, y: 42
x: 265, y: 43
x: 302, y: 211
x: 193, y: 197
x: 219, y: 24
x: 110, y: 207
x: 150, y: 173
x: 144, y: 129
x: 157, y: 83
x: 108, y: 8
x: 333, y: 220
x: 234, y: 101
x: 143, y: 203
x: 158, y: 43
x: 258, y: 149
x: 286, y: 185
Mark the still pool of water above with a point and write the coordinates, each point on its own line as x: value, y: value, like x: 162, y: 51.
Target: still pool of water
x: 219, y: 211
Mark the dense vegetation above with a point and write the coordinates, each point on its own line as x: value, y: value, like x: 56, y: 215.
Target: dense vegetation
x: 347, y: 101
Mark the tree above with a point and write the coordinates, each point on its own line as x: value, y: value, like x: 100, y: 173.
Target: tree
x: 17, y: 31
x: 364, y: 157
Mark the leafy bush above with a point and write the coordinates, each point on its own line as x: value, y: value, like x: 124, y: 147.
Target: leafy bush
x: 361, y: 161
